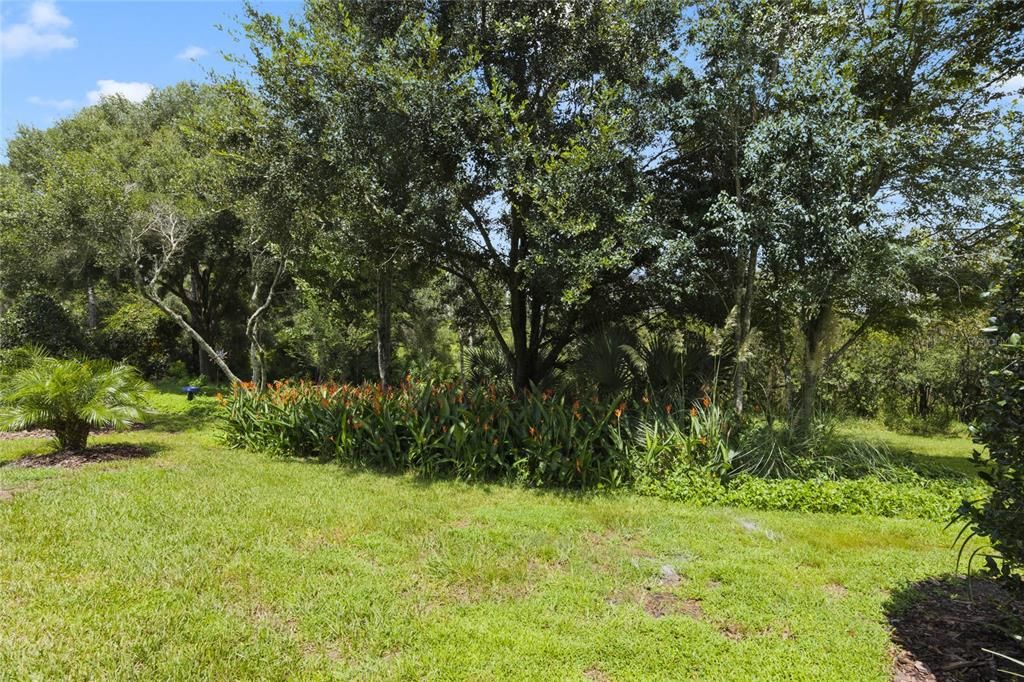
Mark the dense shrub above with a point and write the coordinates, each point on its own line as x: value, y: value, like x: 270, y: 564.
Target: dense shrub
x: 36, y: 319
x: 544, y: 439
x: 14, y: 359
x: 479, y: 433
x: 140, y: 335
x: 999, y: 427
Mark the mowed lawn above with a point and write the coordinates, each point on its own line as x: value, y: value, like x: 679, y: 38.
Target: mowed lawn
x: 201, y: 562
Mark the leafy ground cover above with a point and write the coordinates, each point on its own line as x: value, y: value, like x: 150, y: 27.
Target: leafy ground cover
x: 238, y: 565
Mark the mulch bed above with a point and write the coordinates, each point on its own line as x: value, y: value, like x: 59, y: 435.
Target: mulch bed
x: 945, y: 626
x: 18, y: 435
x: 46, y: 433
x: 71, y: 459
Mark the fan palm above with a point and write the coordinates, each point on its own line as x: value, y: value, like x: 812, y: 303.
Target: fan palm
x: 71, y: 397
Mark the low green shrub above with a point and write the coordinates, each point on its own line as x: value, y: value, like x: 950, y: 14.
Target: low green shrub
x: 138, y: 334
x: 913, y: 497
x: 71, y: 397
x: 36, y: 319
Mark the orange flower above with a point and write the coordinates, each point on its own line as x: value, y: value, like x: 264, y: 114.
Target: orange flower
x: 693, y: 411
x: 619, y: 410
x: 706, y: 401
x: 668, y: 408
x: 533, y: 432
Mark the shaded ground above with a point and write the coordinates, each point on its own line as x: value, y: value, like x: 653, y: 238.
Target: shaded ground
x: 76, y: 458
x: 942, y: 626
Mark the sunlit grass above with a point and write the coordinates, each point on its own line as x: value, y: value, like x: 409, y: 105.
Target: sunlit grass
x: 218, y: 564
x: 952, y: 451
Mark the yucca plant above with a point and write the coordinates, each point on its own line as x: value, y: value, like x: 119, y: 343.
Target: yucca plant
x: 71, y: 397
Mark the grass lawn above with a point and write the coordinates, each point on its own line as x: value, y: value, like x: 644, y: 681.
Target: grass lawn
x: 952, y: 451
x: 206, y: 563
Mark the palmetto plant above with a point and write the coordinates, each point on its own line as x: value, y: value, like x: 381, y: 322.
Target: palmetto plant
x: 71, y: 397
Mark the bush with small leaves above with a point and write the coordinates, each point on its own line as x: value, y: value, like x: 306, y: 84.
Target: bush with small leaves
x: 999, y: 427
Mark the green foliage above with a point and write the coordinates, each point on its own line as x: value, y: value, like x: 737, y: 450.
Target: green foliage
x: 478, y: 433
x: 36, y: 319
x: 921, y: 379
x: 137, y: 334
x: 916, y: 497
x: 542, y: 439
x: 14, y: 359
x: 662, y: 365
x: 999, y: 426
x: 70, y: 397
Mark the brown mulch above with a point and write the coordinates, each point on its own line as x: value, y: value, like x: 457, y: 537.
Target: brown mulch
x: 947, y: 622
x: 46, y: 433
x: 18, y: 435
x: 71, y: 459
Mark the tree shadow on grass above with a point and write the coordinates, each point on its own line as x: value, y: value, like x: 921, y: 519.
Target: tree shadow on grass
x: 941, y: 627
x: 196, y: 416
x: 937, y: 466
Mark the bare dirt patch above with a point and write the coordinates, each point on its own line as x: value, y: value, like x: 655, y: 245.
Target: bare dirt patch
x: 660, y: 604
x: 732, y: 632
x: 941, y: 626
x: 836, y: 590
x: 71, y: 459
x: 596, y: 674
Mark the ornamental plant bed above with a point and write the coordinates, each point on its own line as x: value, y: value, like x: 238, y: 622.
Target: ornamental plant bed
x: 71, y: 459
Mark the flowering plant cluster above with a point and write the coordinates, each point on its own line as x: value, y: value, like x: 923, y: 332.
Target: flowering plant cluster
x: 475, y: 433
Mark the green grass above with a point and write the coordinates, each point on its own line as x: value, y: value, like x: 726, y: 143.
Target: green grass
x: 951, y: 451
x: 206, y: 563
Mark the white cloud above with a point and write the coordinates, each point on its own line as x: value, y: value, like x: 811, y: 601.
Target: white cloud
x: 44, y: 14
x: 133, y: 92
x: 59, y: 104
x: 1010, y: 85
x: 42, y: 32
x: 193, y: 52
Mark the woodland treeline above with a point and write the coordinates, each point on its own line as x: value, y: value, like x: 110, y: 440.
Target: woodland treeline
x: 795, y: 205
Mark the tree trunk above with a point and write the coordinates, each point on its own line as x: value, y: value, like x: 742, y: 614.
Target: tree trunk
x: 383, y: 324
x: 744, y: 312
x: 815, y: 341
x: 71, y: 435
x: 204, y: 365
x: 208, y: 354
x: 91, y: 310
x: 462, y: 362
x: 923, y: 400
x: 256, y: 362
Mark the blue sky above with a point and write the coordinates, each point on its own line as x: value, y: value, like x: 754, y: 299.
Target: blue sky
x: 58, y: 56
